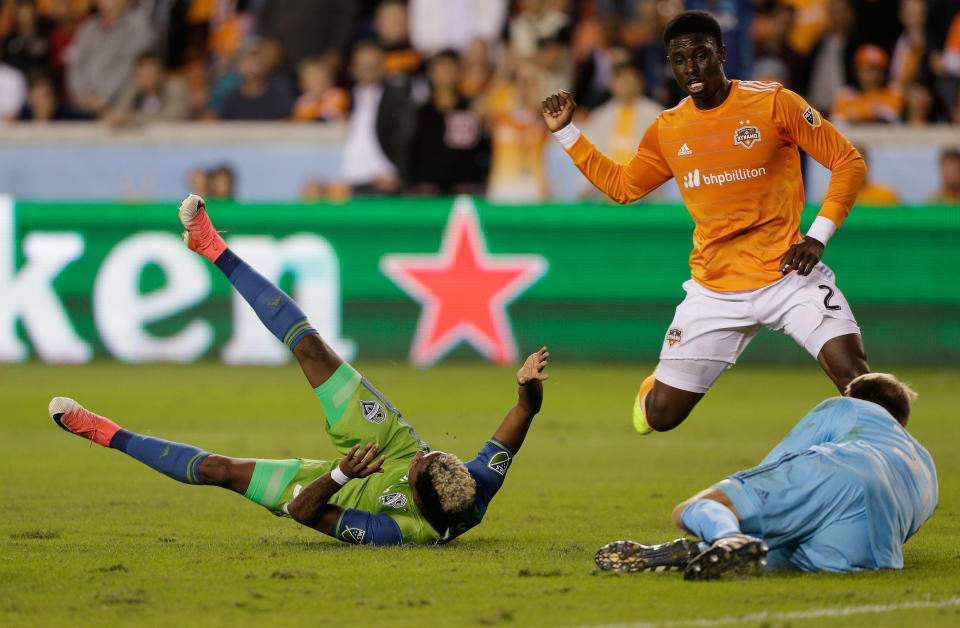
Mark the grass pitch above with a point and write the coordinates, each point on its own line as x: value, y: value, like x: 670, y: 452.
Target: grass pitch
x: 89, y: 536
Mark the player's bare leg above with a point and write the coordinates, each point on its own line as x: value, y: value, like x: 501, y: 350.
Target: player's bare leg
x: 665, y: 407
x: 843, y: 359
x: 317, y: 360
x: 227, y: 472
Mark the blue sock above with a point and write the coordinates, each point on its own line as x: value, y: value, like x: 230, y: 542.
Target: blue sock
x: 275, y: 309
x: 181, y: 462
x: 710, y: 520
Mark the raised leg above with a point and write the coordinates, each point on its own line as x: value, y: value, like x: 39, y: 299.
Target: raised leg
x: 666, y: 407
x: 275, y: 309
x: 844, y: 358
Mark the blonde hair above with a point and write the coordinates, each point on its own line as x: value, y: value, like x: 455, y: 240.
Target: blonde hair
x: 456, y: 488
x: 886, y: 390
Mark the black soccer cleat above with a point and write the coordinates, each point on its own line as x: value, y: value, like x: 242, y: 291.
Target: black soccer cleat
x: 632, y: 556
x: 737, y: 554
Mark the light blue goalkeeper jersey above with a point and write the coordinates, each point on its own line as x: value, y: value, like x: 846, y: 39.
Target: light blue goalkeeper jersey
x: 844, y: 437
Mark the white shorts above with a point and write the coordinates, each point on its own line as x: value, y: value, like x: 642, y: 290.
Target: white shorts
x: 711, y: 329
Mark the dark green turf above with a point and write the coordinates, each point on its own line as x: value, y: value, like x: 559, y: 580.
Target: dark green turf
x: 90, y: 536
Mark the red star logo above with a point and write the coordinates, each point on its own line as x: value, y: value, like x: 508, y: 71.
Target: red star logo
x: 464, y: 290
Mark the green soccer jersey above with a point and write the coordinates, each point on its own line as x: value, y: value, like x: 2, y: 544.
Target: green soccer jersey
x: 379, y: 508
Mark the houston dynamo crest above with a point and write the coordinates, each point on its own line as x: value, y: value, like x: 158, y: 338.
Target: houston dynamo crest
x: 746, y: 136
x: 394, y: 500
x: 500, y: 462
x: 373, y: 411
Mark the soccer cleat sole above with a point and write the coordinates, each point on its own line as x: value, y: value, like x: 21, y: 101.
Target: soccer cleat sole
x: 632, y: 556
x: 716, y: 561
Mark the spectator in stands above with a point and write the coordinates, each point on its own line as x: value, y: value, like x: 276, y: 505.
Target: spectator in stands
x: 66, y: 17
x: 378, y: 135
x: 946, y: 65
x: 393, y: 34
x: 618, y: 125
x: 556, y: 69
x: 517, y: 171
x: 104, y: 52
x: 773, y: 44
x: 13, y: 91
x: 910, y: 51
x: 537, y: 20
x: 153, y: 95
x: 873, y: 192
x: 437, y: 25
x: 42, y: 103
x: 199, y: 182
x: 771, y: 70
x: 449, y: 151
x: 259, y: 96
x: 874, y: 101
x: 917, y: 105
x: 830, y: 64
x: 27, y: 45
x: 950, y: 178
x: 306, y: 28
x: 222, y: 183
x: 943, y: 24
x: 477, y: 69
x: 320, y: 100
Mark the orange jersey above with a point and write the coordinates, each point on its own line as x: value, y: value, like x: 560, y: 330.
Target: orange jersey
x: 881, y: 104
x: 738, y: 169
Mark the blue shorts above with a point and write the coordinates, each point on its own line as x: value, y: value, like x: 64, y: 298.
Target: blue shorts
x: 810, y: 511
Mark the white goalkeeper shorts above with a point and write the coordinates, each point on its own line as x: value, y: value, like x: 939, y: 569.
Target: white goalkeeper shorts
x: 711, y: 329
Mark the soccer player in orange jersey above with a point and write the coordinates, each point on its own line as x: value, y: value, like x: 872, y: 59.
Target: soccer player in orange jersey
x: 733, y: 148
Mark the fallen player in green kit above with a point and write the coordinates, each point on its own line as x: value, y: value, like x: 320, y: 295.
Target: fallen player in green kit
x: 388, y: 488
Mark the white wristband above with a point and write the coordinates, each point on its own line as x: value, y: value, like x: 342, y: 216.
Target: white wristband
x: 338, y: 476
x: 568, y: 135
x: 821, y: 229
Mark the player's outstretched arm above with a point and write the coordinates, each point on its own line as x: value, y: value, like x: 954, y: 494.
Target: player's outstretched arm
x: 311, y: 507
x: 530, y: 377
x: 623, y: 183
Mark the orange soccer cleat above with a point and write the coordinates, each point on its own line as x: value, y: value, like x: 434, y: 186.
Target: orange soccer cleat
x: 76, y: 419
x: 200, y: 235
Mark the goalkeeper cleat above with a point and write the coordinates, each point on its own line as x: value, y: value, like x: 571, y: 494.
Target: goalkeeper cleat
x: 76, y: 419
x: 200, y: 235
x: 631, y: 556
x: 737, y: 554
x: 639, y: 405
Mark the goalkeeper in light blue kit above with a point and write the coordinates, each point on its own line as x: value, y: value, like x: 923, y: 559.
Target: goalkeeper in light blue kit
x: 842, y: 492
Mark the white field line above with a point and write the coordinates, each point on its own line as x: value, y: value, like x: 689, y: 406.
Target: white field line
x: 809, y: 614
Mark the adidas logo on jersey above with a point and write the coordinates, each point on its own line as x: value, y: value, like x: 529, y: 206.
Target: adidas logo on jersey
x: 694, y: 179
x: 684, y: 150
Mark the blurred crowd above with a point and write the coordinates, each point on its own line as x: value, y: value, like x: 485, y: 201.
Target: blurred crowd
x: 443, y: 96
